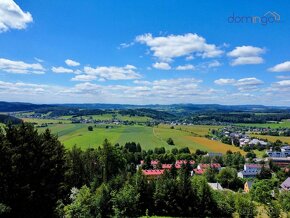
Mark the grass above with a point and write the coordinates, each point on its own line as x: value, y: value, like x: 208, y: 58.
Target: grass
x: 43, y: 121
x: 282, y: 124
x: 149, y: 137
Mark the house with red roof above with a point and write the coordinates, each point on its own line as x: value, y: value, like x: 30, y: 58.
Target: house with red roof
x: 206, y: 166
x: 166, y: 166
x: 152, y: 174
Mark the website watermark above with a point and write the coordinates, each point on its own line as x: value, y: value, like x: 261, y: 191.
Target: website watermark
x: 270, y: 17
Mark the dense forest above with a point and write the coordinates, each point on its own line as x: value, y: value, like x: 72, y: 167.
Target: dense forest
x: 40, y: 178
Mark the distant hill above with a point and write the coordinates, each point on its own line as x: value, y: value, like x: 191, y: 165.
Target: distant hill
x: 174, y: 108
x: 19, y: 106
x: 9, y: 119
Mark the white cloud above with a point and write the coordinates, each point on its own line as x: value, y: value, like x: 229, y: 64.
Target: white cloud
x: 214, y: 63
x: 162, y: 66
x: 72, y: 63
x: 168, y: 47
x: 225, y: 81
x: 283, y: 67
x: 247, y: 60
x: 20, y: 67
x: 185, y: 67
x: 283, y: 77
x: 246, y: 55
x: 84, y: 77
x: 12, y: 16
x: 61, y: 70
x: 127, y: 72
x: 283, y: 83
x: 243, y: 85
x: 246, y: 51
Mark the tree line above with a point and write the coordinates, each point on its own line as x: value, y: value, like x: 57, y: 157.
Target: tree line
x: 40, y: 178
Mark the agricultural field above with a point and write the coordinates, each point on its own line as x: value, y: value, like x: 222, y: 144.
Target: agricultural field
x: 148, y: 137
x: 43, y: 121
x: 283, y: 124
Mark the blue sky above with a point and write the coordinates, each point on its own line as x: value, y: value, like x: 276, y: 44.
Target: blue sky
x: 145, y: 52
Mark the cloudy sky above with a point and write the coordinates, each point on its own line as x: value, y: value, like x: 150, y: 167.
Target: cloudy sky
x: 145, y: 52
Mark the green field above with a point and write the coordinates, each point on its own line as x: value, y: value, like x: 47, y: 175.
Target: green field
x: 148, y: 137
x: 43, y: 121
x: 283, y: 124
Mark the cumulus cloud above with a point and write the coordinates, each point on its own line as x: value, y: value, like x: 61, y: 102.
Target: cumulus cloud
x: 61, y: 70
x: 185, y: 67
x: 169, y: 47
x: 214, y: 63
x: 246, y: 55
x: 72, y: 63
x: 244, y: 84
x: 84, y: 77
x: 127, y: 72
x: 162, y: 66
x: 247, y: 60
x: 224, y: 81
x: 283, y: 67
x: 12, y: 16
x: 20, y: 67
x: 246, y: 51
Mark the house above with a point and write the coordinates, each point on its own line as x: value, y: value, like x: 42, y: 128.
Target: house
x: 286, y: 184
x: 250, y: 171
x: 152, y: 174
x: 213, y: 154
x: 179, y: 163
x: 206, y: 166
x: 166, y: 166
x: 256, y: 142
x: 197, y: 172
x: 279, y: 161
x: 247, y: 186
x: 216, y: 186
x: 285, y: 152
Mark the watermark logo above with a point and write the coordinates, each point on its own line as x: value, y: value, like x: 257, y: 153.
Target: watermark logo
x: 270, y: 17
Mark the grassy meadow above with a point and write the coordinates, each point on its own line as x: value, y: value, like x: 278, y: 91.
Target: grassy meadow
x: 283, y: 124
x: 149, y: 137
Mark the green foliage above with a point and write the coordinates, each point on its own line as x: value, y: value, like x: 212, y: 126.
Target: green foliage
x: 284, y: 200
x: 32, y: 171
x: 228, y: 178
x: 273, y: 210
x: 170, y: 141
x: 125, y: 202
x: 82, y: 204
x: 245, y: 207
x: 90, y: 128
x: 261, y: 191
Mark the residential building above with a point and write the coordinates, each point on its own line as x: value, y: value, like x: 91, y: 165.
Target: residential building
x: 247, y: 186
x: 250, y: 171
x: 286, y: 184
x: 216, y: 186
x: 152, y: 174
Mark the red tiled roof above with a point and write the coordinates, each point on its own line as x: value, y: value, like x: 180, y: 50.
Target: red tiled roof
x: 180, y: 162
x: 199, y: 172
x: 166, y: 166
x: 152, y: 172
x: 213, y: 165
x: 154, y: 162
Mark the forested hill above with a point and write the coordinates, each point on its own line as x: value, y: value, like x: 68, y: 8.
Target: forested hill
x: 19, y: 106
x: 9, y: 119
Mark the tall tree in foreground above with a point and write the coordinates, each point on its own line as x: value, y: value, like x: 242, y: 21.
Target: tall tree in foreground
x: 31, y: 171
